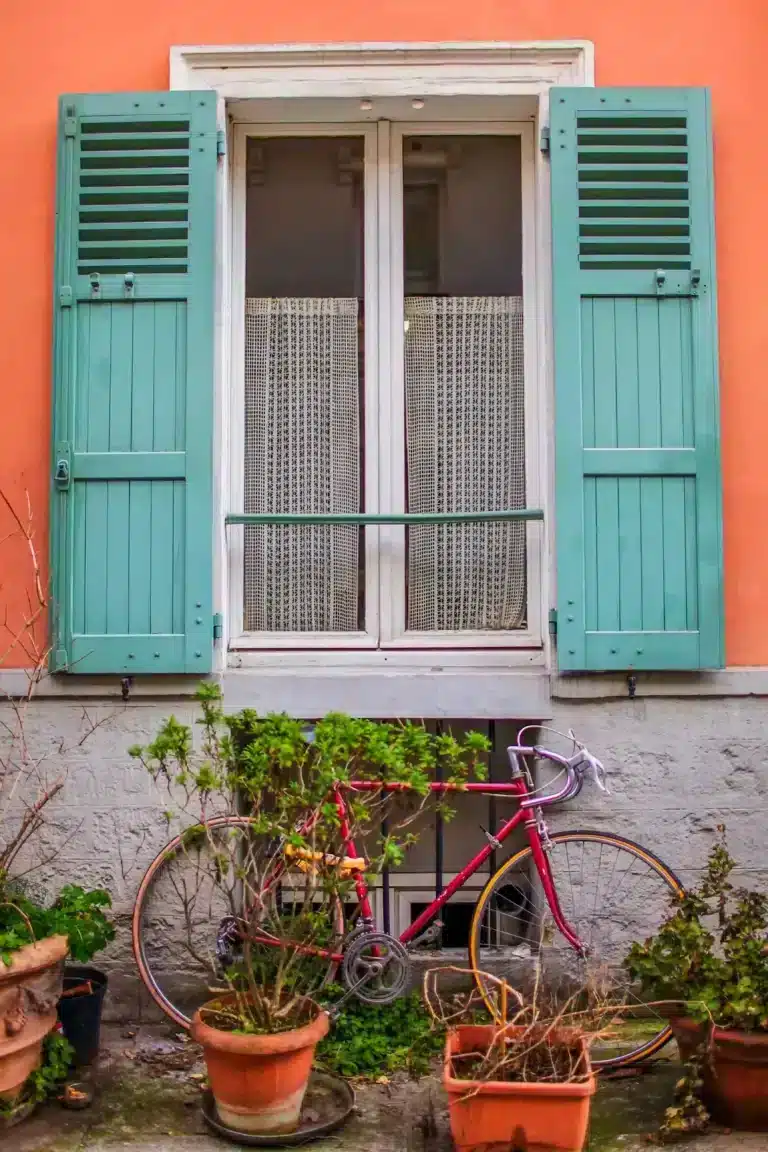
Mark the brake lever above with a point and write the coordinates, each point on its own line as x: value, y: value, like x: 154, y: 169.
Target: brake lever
x: 599, y: 773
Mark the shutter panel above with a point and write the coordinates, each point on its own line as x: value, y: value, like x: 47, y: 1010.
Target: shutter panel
x: 132, y: 531
x: 638, y: 503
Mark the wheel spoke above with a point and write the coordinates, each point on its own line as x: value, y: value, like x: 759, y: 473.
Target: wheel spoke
x: 610, y: 898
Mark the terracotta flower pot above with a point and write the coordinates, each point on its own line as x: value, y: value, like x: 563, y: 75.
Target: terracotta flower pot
x: 735, y: 1073
x: 30, y: 988
x: 495, y: 1116
x: 258, y: 1082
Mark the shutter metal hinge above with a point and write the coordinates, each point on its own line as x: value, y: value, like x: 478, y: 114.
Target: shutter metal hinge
x: 70, y: 126
x: 553, y: 621
x: 221, y: 143
x: 218, y: 626
x: 544, y: 141
x: 65, y: 296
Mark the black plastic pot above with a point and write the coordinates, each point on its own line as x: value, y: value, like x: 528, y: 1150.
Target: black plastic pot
x: 80, y: 1014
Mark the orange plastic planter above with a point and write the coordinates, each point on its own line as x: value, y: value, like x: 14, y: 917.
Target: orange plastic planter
x: 258, y: 1082
x: 495, y: 1116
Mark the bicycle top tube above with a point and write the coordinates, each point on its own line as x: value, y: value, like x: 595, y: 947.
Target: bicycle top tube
x: 513, y: 787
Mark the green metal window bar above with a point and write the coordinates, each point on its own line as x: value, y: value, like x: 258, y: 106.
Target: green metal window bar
x: 365, y: 518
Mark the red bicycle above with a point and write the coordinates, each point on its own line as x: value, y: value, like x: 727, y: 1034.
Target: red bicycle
x: 560, y: 902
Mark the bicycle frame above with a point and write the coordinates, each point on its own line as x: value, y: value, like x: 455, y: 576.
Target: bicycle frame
x: 525, y: 814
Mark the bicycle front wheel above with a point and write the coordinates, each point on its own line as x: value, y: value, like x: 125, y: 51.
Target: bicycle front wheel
x: 611, y: 892
x: 196, y: 903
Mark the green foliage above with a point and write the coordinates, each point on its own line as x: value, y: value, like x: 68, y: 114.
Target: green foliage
x: 374, y: 1040
x: 76, y: 914
x: 58, y: 1055
x: 710, y: 953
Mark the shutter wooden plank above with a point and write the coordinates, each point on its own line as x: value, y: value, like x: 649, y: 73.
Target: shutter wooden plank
x: 639, y: 555
x: 132, y: 535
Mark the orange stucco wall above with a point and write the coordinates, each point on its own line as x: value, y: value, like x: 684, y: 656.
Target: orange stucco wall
x: 90, y: 45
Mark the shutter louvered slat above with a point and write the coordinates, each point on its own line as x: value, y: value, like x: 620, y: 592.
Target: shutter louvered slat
x: 636, y: 160
x: 146, y: 163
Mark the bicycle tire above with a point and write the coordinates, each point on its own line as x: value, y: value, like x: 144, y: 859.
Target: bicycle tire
x: 167, y: 854
x: 644, y: 1051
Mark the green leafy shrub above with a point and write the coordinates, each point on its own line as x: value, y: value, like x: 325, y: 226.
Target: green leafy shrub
x: 282, y: 878
x: 371, y: 1040
x: 710, y: 954
x: 79, y: 915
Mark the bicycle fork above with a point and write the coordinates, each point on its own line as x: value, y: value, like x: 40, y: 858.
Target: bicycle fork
x: 538, y: 839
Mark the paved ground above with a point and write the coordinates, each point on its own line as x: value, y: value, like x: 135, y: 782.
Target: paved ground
x: 149, y: 1092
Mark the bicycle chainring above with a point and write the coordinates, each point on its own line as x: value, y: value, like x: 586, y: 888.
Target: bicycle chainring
x: 376, y: 968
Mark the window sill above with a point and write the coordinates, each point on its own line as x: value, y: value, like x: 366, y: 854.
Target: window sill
x: 478, y: 693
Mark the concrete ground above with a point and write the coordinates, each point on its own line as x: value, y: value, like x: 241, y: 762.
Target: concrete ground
x: 148, y: 1093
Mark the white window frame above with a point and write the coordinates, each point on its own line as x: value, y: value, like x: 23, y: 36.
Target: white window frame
x: 283, y: 79
x: 384, y: 430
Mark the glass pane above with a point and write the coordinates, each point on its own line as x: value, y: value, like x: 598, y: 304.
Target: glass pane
x: 304, y: 382
x: 464, y: 380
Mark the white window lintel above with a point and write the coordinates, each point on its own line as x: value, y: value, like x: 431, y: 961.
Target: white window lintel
x: 333, y: 70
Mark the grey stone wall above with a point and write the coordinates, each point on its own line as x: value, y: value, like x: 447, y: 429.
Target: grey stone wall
x: 678, y: 768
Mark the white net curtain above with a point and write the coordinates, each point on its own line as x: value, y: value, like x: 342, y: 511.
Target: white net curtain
x: 465, y: 452
x: 464, y: 389
x: 302, y: 454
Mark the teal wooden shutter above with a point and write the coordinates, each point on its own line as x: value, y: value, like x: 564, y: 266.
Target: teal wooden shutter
x: 638, y: 504
x: 132, y: 531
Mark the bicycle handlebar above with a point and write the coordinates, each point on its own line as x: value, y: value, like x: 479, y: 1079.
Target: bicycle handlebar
x: 576, y: 768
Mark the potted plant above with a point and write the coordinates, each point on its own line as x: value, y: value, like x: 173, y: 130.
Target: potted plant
x: 524, y: 1079
x: 34, y: 942
x: 709, y: 963
x: 284, y: 879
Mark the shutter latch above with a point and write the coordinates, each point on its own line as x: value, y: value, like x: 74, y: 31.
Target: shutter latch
x: 695, y: 281
x: 62, y: 472
x: 661, y: 279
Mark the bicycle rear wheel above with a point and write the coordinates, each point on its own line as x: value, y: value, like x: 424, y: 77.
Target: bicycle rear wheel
x: 188, y: 897
x: 611, y: 892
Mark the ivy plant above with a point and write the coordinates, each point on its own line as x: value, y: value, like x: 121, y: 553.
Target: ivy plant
x: 710, y: 954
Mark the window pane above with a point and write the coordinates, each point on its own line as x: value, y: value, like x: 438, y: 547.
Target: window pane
x: 303, y: 381
x: 464, y: 379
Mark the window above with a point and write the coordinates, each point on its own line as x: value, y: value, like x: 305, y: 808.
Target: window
x: 626, y: 342
x: 382, y: 361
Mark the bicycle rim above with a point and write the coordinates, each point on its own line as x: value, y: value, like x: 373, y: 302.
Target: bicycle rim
x: 612, y: 892
x: 180, y: 906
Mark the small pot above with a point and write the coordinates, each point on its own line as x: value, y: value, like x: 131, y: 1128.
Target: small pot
x: 258, y: 1082
x: 29, y: 990
x: 734, y: 1072
x: 495, y: 1114
x: 80, y: 1011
